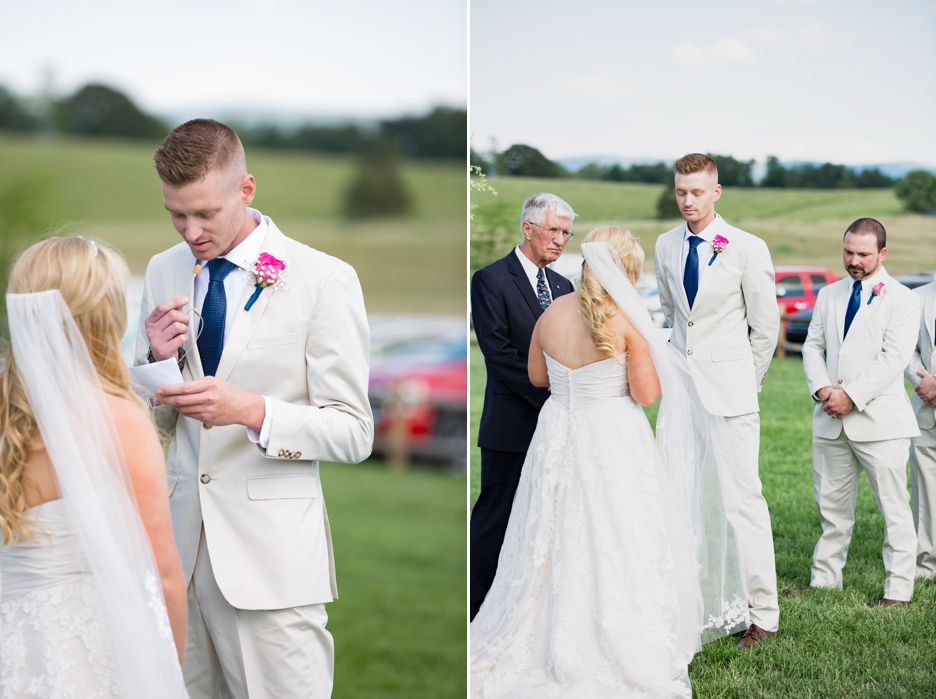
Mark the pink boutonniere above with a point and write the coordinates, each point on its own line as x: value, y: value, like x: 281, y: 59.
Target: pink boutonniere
x: 878, y: 290
x: 266, y: 271
x: 718, y: 245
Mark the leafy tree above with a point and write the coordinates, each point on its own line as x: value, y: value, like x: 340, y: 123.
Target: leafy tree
x: 873, y: 178
x: 13, y: 116
x: 776, y: 174
x: 592, y: 171
x: 732, y: 172
x: 917, y: 190
x: 103, y: 111
x: 440, y: 134
x: 525, y: 161
x: 657, y: 173
x: 667, y: 208
x: 377, y: 189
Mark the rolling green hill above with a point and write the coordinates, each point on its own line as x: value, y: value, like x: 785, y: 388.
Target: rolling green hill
x: 109, y: 189
x: 799, y: 226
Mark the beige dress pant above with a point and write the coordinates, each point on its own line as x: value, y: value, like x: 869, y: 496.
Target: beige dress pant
x: 923, y: 499
x: 752, y: 527
x: 837, y: 466
x: 257, y: 654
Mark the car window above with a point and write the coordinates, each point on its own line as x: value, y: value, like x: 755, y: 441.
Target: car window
x: 818, y: 281
x: 790, y: 286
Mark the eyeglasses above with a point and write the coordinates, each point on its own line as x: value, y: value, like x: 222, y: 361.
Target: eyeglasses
x: 566, y: 233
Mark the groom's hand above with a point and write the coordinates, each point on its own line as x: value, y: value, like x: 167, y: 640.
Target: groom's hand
x: 837, y: 403
x: 215, y: 402
x: 167, y: 328
x: 926, y: 389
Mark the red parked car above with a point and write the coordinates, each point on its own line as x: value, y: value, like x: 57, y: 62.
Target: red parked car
x: 797, y: 287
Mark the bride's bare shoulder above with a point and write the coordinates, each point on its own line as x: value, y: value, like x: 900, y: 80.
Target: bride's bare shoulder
x: 128, y: 416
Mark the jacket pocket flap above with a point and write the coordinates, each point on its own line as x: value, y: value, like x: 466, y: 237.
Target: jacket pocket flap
x: 288, y: 486
x: 733, y: 353
x: 274, y: 341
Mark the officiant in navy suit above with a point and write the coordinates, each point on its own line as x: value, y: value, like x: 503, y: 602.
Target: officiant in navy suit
x: 507, y: 298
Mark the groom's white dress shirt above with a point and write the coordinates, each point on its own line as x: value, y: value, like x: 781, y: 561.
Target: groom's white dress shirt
x: 868, y: 364
x: 729, y: 336
x: 923, y: 448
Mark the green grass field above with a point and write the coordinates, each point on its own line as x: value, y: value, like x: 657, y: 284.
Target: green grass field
x: 109, y: 189
x: 799, y: 226
x: 830, y: 644
x: 400, y: 551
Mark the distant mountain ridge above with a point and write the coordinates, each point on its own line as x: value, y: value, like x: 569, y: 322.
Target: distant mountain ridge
x: 894, y: 170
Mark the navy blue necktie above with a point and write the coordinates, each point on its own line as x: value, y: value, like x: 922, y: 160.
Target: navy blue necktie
x: 542, y: 291
x: 690, y: 277
x: 214, y: 312
x: 853, y: 303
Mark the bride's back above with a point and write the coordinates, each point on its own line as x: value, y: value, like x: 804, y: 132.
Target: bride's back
x: 564, y: 335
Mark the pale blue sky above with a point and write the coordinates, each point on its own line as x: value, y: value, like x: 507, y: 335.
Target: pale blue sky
x: 362, y: 58
x: 850, y: 81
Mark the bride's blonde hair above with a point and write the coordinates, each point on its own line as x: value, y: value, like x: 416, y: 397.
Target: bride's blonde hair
x: 92, y: 279
x: 597, y: 305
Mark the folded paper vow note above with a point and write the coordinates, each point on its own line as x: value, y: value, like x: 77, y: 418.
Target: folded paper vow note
x: 147, y: 378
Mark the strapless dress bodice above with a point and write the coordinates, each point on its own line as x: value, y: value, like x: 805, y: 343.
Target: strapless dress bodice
x: 593, y: 383
x: 54, y: 557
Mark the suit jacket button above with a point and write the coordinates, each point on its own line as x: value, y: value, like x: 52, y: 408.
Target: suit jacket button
x: 298, y: 454
x: 205, y: 478
x: 688, y: 351
x: 840, y: 381
x: 691, y: 323
x: 206, y: 426
x: 281, y: 453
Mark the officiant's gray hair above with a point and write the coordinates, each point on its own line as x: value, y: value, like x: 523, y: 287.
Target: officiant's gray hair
x: 535, y: 208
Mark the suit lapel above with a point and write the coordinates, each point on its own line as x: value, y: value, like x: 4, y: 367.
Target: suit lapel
x: 558, y: 285
x: 866, y: 310
x: 676, y: 248
x: 840, y: 306
x: 523, y: 283
x: 182, y: 280
x: 246, y: 322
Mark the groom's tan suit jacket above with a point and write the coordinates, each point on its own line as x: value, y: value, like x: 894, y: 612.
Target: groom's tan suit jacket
x: 924, y: 358
x: 306, y: 348
x: 868, y: 363
x: 730, y: 334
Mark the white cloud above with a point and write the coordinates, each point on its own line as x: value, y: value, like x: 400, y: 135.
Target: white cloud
x: 600, y: 87
x: 816, y: 35
x: 725, y: 51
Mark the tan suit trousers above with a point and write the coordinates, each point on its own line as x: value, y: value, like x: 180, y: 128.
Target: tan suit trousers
x: 837, y: 466
x: 923, y: 500
x: 257, y: 654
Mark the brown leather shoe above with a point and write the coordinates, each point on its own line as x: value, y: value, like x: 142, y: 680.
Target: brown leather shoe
x: 797, y: 593
x: 884, y: 602
x: 753, y: 635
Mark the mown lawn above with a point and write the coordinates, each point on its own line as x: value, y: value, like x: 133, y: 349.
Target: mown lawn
x: 830, y: 644
x: 400, y: 550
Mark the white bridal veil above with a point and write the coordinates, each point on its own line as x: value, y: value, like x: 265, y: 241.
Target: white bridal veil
x: 696, y: 473
x: 65, y: 394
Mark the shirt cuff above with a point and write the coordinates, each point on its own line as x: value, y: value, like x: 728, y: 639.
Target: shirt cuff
x: 263, y: 437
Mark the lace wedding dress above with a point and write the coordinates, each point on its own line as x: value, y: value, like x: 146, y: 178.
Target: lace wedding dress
x: 53, y: 640
x: 584, y: 603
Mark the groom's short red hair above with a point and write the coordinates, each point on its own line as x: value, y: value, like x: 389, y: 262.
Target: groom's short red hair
x: 194, y: 148
x: 694, y: 162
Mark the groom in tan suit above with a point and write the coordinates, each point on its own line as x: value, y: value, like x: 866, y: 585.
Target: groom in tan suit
x: 269, y: 390
x: 860, y: 339
x: 718, y: 292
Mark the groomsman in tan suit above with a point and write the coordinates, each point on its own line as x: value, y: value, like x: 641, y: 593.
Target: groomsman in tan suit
x: 718, y: 292
x: 863, y: 331
x: 275, y: 380
x: 923, y: 448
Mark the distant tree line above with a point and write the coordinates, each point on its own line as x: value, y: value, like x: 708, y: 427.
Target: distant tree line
x: 99, y: 110
x: 917, y: 189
